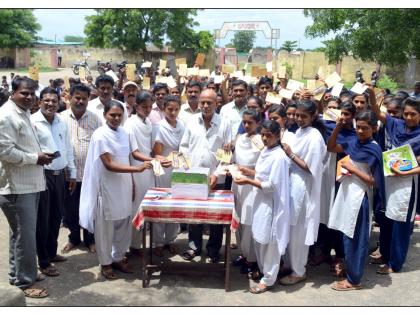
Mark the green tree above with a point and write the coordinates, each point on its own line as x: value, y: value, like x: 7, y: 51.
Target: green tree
x: 73, y: 38
x: 18, y: 28
x: 289, y: 45
x: 385, y: 36
x: 243, y: 41
x: 201, y: 41
x: 133, y: 29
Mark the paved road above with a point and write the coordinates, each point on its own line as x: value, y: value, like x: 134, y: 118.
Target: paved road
x: 80, y: 285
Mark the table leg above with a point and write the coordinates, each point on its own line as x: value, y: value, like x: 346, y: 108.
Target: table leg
x: 144, y: 267
x: 227, y: 259
x: 151, y: 242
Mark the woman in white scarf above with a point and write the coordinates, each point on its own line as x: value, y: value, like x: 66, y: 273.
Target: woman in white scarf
x: 248, y: 147
x: 106, y: 193
x: 140, y: 128
x: 169, y: 132
x: 271, y: 215
x: 307, y: 153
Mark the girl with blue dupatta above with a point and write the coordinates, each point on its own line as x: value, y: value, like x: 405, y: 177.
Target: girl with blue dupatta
x: 356, y: 196
x: 402, y: 190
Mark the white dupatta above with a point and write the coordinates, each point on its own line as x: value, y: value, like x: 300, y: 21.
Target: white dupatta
x: 306, y: 186
x: 272, y: 169
x: 96, y: 178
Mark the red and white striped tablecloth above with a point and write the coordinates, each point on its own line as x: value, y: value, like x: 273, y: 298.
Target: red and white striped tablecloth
x: 159, y: 206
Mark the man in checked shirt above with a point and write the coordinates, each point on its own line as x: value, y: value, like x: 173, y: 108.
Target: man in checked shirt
x: 81, y: 124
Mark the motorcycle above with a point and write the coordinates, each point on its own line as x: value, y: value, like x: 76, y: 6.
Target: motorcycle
x: 77, y: 65
x: 104, y: 66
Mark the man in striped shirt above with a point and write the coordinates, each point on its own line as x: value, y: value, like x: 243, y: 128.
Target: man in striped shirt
x: 21, y: 180
x: 81, y: 124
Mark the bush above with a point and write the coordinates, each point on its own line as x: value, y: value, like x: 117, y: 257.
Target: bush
x: 385, y: 82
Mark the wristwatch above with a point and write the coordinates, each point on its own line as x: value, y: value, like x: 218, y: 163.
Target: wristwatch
x: 292, y: 156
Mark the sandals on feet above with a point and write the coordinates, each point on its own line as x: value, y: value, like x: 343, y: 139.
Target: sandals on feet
x: 259, y: 288
x: 384, y: 270
x: 122, y: 266
x: 35, y: 293
x: 108, y: 273
x: 67, y: 248
x: 189, y: 255
x: 158, y: 251
x: 173, y: 249
x: 50, y: 271
x: 345, y: 286
x: 92, y: 248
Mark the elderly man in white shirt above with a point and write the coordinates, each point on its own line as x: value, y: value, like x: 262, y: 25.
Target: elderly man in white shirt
x: 105, y: 87
x: 21, y: 180
x: 54, y: 138
x: 191, y: 107
x: 233, y: 111
x: 205, y: 133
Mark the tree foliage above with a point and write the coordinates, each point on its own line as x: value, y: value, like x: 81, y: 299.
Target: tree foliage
x: 133, y: 29
x: 243, y: 41
x: 289, y: 45
x: 385, y: 36
x: 18, y: 28
x: 73, y: 38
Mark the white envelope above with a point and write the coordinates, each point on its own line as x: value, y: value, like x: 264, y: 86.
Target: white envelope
x: 112, y: 74
x: 337, y: 89
x: 286, y: 93
x: 218, y: 79
x: 269, y: 66
x: 358, y: 88
x: 294, y: 85
x: 146, y: 64
x: 332, y: 79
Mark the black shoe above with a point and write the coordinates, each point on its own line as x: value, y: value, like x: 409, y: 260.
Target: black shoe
x: 239, y: 261
x: 213, y: 260
x: 245, y: 269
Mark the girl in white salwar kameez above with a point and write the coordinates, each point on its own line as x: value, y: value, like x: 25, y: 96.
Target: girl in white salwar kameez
x: 306, y: 153
x: 248, y: 147
x: 106, y: 193
x: 169, y: 132
x: 140, y: 127
x: 271, y: 215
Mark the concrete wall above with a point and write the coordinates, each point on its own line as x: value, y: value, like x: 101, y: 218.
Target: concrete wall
x: 306, y: 64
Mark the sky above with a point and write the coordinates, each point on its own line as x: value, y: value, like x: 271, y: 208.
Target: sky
x: 56, y: 23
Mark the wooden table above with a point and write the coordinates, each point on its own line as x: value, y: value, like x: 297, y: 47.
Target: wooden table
x: 159, y: 206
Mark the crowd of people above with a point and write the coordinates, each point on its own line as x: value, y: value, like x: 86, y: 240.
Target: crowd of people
x: 82, y: 156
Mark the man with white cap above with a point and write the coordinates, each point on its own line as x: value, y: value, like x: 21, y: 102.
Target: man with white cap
x: 130, y: 90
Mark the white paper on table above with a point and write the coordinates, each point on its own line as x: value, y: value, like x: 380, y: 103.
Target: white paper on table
x: 358, y: 88
x: 112, y: 74
x: 338, y: 87
x: 286, y: 93
x: 294, y: 85
x: 146, y: 64
x: 332, y: 79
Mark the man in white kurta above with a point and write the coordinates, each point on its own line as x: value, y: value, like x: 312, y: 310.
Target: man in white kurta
x: 105, y: 87
x: 206, y: 132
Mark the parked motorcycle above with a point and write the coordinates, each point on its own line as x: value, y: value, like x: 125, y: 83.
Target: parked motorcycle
x: 104, y: 66
x: 77, y: 65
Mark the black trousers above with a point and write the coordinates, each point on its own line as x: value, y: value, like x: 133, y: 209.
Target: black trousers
x: 50, y: 212
x: 195, y: 236
x: 71, y: 217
